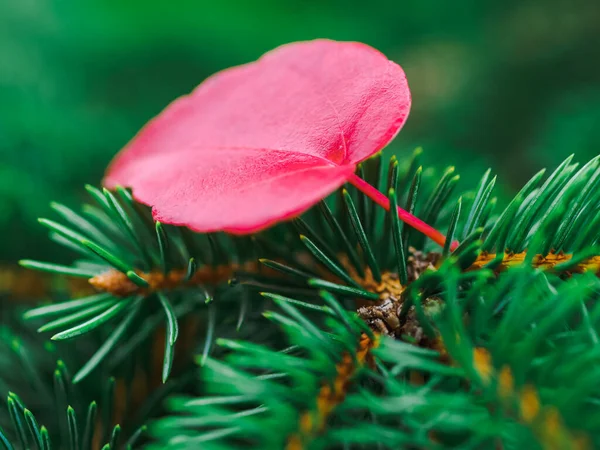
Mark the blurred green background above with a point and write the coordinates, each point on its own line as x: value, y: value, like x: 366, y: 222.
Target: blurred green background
x: 513, y: 85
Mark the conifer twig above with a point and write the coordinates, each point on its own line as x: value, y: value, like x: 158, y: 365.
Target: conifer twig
x: 539, y: 261
x: 331, y: 394
x: 118, y: 284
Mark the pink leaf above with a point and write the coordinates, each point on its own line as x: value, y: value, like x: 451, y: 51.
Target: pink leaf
x: 262, y: 142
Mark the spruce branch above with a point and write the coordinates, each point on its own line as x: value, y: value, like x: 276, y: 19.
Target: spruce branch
x: 44, y: 410
x: 131, y: 259
x: 468, y: 339
x: 331, y: 394
x: 120, y: 285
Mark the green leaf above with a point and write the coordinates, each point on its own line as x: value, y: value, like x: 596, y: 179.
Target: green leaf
x: 107, y: 222
x: 244, y: 303
x: 339, y: 232
x: 90, y: 427
x: 362, y: 237
x: 343, y: 290
x: 5, y: 441
x: 565, y: 194
x: 364, y: 204
x: 108, y: 345
x: 411, y: 203
x: 172, y: 326
x: 141, y: 221
x: 373, y: 176
x: 339, y: 312
x: 108, y: 402
x: 137, y: 280
x: 77, y: 316
x: 305, y: 305
x: 483, y: 190
x: 163, y: 245
x: 127, y: 226
x: 63, y: 307
x: 386, y: 236
x: 437, y: 200
x: 34, y: 428
x: 99, y: 198
x: 397, y: 238
x: 328, y: 262
x: 46, y: 444
x: 452, y: 228
x: 168, y: 359
x: 413, y: 167
x: 57, y: 269
x: 587, y: 235
x: 170, y: 337
x: 15, y: 416
x: 71, y: 235
x: 114, y: 439
x: 60, y: 391
x: 113, y: 260
x: 210, y: 332
x: 93, y: 323
x: 191, y: 270
x: 306, y: 325
x: 499, y: 232
x: 298, y: 274
x: 145, y: 330
x: 306, y: 230
x: 480, y: 205
x: 135, y: 436
x: 473, y: 237
x: 73, y: 431
x: 522, y: 225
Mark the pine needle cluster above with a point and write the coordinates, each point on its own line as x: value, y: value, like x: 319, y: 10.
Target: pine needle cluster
x: 340, y: 329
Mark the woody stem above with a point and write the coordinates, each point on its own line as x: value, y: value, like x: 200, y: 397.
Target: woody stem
x: 404, y: 215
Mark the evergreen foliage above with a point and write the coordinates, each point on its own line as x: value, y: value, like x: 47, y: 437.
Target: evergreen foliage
x: 340, y: 329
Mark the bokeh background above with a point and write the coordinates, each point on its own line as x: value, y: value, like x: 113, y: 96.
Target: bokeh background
x: 512, y: 85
